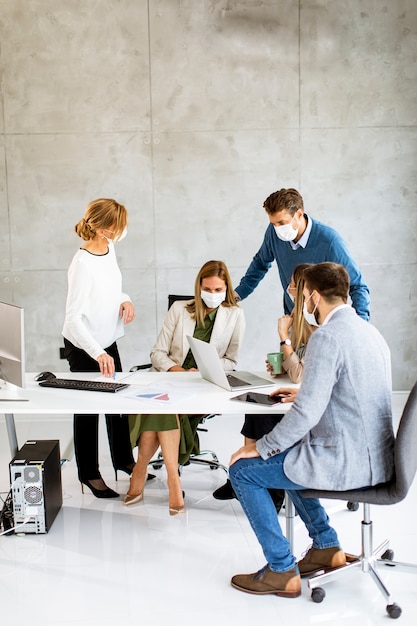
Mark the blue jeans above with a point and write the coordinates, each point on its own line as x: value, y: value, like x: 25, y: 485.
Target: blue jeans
x: 251, y: 479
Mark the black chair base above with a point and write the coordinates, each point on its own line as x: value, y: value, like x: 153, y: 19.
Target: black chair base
x: 196, y: 459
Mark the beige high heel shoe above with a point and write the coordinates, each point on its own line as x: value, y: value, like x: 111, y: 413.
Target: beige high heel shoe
x: 177, y: 510
x: 129, y: 500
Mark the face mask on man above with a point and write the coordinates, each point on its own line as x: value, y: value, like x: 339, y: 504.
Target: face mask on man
x: 310, y: 318
x: 286, y: 232
x: 213, y: 300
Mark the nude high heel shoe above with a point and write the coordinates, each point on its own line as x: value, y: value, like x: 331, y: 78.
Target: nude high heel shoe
x: 129, y: 500
x: 177, y: 510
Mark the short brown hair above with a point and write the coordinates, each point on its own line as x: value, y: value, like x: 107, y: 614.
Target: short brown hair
x: 330, y: 280
x: 284, y: 200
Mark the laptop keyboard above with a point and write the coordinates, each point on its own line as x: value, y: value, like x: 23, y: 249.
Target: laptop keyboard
x: 83, y: 385
x: 235, y: 382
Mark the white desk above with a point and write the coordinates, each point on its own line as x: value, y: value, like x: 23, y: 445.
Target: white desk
x: 194, y: 396
x: 191, y: 394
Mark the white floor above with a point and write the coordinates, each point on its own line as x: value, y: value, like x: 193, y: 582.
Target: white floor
x: 105, y: 564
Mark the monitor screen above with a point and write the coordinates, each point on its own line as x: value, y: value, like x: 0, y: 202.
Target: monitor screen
x: 12, y: 346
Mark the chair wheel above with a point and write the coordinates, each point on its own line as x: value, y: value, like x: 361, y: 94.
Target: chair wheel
x: 388, y: 555
x: 318, y: 594
x: 353, y: 506
x: 394, y: 610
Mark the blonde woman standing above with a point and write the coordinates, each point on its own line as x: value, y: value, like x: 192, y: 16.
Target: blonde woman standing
x: 96, y: 311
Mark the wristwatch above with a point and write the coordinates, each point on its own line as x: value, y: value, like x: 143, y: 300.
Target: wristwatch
x: 286, y: 342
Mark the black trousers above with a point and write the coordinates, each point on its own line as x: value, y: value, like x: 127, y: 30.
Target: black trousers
x: 86, y: 426
x: 256, y: 426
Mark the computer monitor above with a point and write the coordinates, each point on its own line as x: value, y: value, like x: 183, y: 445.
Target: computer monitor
x: 12, y: 349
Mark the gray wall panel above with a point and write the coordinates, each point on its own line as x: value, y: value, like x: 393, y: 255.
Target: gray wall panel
x: 191, y: 114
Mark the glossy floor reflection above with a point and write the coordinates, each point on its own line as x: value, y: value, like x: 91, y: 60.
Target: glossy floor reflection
x: 103, y: 564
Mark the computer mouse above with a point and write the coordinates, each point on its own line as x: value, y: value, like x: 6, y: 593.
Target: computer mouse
x: 44, y: 376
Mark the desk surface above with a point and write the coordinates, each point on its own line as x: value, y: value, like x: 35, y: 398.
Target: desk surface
x: 188, y: 393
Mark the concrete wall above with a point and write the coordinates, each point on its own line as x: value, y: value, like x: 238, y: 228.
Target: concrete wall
x: 191, y: 113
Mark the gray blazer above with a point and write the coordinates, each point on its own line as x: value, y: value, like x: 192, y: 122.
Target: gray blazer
x: 172, y: 347
x: 339, y: 429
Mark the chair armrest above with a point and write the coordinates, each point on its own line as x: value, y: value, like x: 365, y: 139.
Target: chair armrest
x: 136, y: 368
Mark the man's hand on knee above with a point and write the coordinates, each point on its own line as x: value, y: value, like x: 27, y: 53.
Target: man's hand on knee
x: 246, y: 452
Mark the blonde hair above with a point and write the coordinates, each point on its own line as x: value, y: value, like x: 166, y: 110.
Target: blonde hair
x: 301, y: 329
x: 103, y: 213
x: 197, y: 308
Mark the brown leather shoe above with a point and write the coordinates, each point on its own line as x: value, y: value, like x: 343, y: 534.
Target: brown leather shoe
x: 284, y: 584
x: 318, y: 560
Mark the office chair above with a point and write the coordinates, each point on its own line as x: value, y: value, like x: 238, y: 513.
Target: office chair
x: 196, y: 459
x: 391, y: 492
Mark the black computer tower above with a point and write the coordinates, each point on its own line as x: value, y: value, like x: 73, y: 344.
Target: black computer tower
x: 35, y: 480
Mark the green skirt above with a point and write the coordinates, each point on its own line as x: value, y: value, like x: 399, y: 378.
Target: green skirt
x: 189, y: 442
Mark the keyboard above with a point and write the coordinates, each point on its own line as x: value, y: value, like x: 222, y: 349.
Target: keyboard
x: 235, y: 382
x: 83, y: 385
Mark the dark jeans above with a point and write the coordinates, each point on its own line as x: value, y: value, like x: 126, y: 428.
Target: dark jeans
x: 86, y: 426
x: 251, y: 479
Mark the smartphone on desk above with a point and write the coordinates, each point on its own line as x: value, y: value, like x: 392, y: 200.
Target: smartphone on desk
x: 259, y: 398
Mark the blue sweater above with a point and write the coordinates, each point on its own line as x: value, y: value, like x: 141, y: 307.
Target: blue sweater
x: 324, y: 244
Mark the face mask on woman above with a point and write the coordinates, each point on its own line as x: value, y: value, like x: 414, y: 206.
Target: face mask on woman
x: 213, y: 300
x: 122, y: 236
x: 290, y: 294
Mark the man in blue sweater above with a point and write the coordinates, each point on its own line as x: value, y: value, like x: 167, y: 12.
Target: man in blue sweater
x: 293, y: 237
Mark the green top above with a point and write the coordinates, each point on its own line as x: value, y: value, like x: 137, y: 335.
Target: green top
x: 203, y: 333
x: 189, y: 443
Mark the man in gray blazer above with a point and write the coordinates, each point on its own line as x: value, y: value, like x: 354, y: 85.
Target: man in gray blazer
x: 337, y: 435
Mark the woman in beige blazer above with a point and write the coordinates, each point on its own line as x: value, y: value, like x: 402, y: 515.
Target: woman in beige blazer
x: 212, y: 316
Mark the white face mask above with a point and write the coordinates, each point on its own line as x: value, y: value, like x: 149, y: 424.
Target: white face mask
x: 122, y: 236
x: 213, y: 300
x: 290, y: 294
x: 286, y: 232
x: 310, y: 318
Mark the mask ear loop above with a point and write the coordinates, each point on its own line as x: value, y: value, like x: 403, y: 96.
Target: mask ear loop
x: 317, y: 303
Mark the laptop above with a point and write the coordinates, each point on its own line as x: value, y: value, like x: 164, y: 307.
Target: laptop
x: 211, y: 369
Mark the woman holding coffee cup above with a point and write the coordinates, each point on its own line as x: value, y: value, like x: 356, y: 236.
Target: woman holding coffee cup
x: 294, y: 332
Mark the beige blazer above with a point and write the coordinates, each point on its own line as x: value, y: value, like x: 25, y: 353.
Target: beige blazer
x: 172, y: 347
